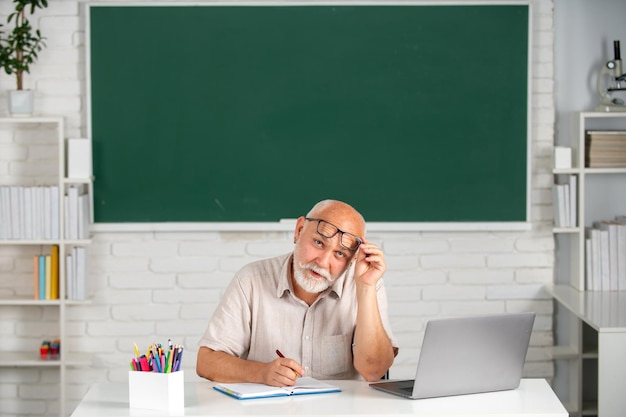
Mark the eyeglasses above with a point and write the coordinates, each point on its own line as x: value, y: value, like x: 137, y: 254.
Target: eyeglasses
x: 329, y: 230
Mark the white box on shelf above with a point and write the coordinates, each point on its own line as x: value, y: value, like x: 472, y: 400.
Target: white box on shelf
x: 562, y: 157
x: 78, y: 158
x: 156, y: 391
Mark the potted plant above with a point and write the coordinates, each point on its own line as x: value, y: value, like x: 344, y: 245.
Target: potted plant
x: 18, y: 50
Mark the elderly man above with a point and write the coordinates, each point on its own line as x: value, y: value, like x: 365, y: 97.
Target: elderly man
x: 324, y: 306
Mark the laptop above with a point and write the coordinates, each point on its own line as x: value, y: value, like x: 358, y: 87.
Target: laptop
x: 468, y: 355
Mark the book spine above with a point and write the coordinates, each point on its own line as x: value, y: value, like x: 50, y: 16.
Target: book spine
x: 36, y: 276
x: 42, y: 277
x: 54, y: 273
x: 48, y: 276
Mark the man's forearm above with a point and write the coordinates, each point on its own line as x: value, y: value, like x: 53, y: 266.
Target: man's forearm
x: 222, y: 367
x: 373, y: 352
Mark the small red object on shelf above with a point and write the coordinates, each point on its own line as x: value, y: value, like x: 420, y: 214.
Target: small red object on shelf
x: 44, y: 349
x: 50, y: 350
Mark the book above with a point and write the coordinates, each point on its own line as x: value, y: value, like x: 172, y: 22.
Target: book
x: 83, y: 216
x: 621, y: 252
x: 16, y: 232
x: 566, y: 203
x: 27, y: 211
x: 36, y: 275
x: 80, y: 273
x: 573, y: 200
x: 589, y: 282
x: 70, y: 287
x: 48, y: 277
x: 38, y: 212
x: 54, y: 212
x: 42, y: 277
x: 248, y: 390
x: 54, y: 273
x: 47, y: 214
x: 595, y: 260
x: 560, y: 206
x: 605, y: 149
x: 605, y: 277
x: 72, y: 212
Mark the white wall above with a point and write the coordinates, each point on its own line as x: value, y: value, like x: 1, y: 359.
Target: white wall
x: 151, y: 286
x: 583, y: 41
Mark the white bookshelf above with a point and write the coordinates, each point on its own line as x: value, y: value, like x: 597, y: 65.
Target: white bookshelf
x: 589, y: 326
x: 28, y: 358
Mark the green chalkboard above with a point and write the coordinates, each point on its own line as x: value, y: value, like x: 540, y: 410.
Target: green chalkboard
x: 412, y: 113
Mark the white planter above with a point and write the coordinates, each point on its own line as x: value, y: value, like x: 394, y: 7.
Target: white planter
x: 21, y: 102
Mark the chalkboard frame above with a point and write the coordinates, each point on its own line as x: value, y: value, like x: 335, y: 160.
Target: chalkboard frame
x: 276, y: 224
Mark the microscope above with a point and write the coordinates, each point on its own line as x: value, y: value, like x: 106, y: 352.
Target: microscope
x: 610, y: 81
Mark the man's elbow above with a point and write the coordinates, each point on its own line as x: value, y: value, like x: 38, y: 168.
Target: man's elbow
x: 373, y: 377
x: 200, y: 371
x: 202, y: 363
x: 373, y: 371
x: 374, y: 368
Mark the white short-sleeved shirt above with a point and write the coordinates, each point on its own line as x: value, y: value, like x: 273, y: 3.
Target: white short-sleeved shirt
x: 259, y: 313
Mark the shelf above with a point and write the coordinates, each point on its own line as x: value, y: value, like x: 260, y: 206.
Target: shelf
x: 564, y: 230
x: 592, y: 171
x: 86, y: 181
x: 564, y: 352
x: 21, y: 359
x: 558, y: 171
x: 604, y: 311
x: 39, y: 303
x: 25, y: 242
x: 77, y: 242
x: 603, y: 115
x: 28, y: 302
x: 590, y: 354
x: 26, y: 248
x: 31, y: 120
x: 31, y: 359
x: 588, y: 171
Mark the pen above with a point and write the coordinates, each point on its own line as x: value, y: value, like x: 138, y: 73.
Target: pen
x: 279, y: 353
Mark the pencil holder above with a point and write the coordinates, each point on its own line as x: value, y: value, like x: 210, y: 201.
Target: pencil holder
x: 156, y: 391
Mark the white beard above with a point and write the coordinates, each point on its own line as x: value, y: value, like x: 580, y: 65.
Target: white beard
x: 311, y: 284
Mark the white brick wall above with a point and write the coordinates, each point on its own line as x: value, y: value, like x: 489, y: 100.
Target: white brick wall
x: 149, y: 286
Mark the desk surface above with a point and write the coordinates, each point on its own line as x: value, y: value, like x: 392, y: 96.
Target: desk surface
x: 534, y: 397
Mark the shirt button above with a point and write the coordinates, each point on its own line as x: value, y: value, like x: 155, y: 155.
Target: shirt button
x: 306, y: 368
x: 306, y: 337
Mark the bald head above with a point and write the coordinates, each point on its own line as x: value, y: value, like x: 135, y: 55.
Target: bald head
x: 341, y: 215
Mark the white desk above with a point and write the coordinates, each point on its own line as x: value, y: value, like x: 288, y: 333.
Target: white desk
x: 605, y: 312
x: 534, y: 398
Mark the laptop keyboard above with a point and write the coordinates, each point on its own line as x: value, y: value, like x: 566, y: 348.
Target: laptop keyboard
x: 407, y: 389
x: 406, y: 386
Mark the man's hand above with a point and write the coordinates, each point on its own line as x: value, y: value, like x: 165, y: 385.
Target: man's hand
x: 282, y: 372
x: 370, y: 264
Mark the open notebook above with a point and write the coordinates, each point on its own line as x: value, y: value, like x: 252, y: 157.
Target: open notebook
x: 468, y: 355
x: 248, y: 390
